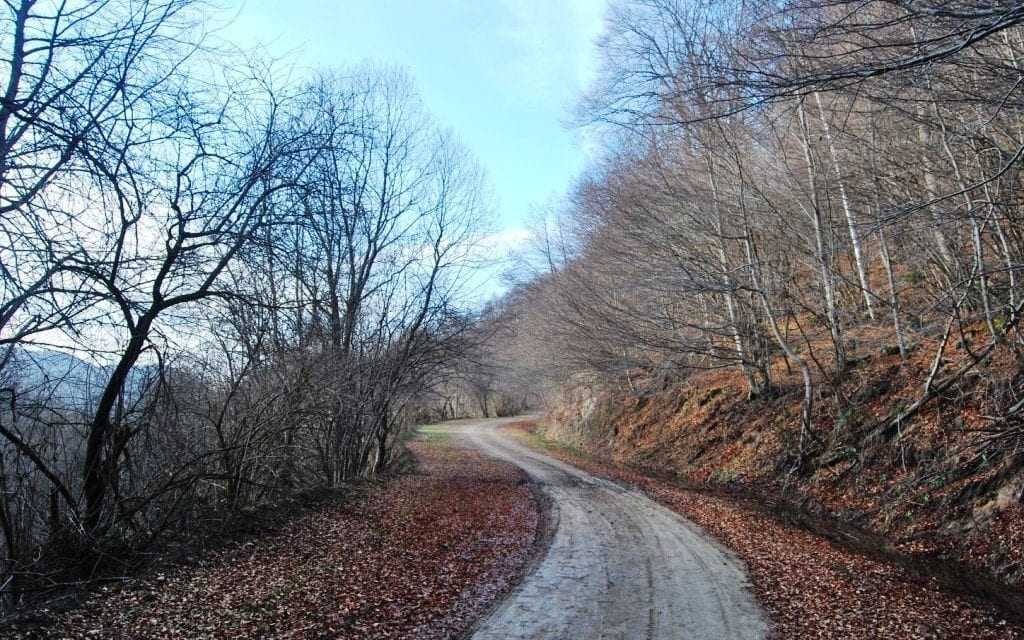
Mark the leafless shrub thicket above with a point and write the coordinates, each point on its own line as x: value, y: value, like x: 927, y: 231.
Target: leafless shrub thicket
x: 780, y: 174
x: 216, y: 288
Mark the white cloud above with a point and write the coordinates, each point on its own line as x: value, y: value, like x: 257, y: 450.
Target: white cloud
x: 503, y: 242
x: 550, y: 46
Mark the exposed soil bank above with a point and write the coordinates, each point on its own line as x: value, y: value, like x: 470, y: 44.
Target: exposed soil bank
x: 945, y: 482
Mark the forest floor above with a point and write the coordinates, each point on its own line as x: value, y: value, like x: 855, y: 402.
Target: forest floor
x: 421, y: 556
x: 809, y: 586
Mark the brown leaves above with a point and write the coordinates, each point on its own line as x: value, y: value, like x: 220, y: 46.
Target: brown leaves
x: 419, y: 558
x: 812, y: 589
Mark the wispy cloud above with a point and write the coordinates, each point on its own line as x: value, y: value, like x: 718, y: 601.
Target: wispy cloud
x: 549, y: 46
x: 504, y: 242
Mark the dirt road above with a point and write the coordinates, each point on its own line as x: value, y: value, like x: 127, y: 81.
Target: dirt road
x: 619, y: 566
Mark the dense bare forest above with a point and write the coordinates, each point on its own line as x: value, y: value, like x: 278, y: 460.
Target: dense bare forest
x: 799, y: 262
x: 219, y: 284
x: 783, y: 302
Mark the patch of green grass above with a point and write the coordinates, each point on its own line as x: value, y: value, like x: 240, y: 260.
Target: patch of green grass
x: 539, y: 440
x: 433, y: 433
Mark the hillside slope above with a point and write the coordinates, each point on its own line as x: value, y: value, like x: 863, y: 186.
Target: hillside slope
x: 946, y: 484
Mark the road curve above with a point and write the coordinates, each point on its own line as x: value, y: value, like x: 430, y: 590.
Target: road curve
x: 620, y: 566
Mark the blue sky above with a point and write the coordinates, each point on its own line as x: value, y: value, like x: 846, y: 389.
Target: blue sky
x: 503, y: 74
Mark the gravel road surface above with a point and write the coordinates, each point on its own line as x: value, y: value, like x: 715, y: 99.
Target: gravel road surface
x: 619, y: 566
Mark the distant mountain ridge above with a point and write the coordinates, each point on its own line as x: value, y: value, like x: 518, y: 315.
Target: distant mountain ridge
x: 65, y: 380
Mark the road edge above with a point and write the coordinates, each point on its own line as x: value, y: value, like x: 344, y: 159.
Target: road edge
x: 547, y: 524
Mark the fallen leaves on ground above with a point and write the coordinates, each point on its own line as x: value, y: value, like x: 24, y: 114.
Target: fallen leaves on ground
x: 811, y: 588
x: 420, y: 557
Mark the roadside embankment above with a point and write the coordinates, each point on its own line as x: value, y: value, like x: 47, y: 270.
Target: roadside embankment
x: 810, y: 587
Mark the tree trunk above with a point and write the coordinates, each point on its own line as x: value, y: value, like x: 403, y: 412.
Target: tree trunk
x: 723, y: 261
x: 851, y: 224
x: 821, y: 254
x: 98, y: 472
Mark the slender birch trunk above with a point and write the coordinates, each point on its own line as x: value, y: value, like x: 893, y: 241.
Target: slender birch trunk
x: 1004, y: 244
x: 730, y: 299
x: 978, y: 249
x: 883, y: 246
x: 820, y: 251
x: 807, y: 407
x: 851, y: 223
x: 948, y: 262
